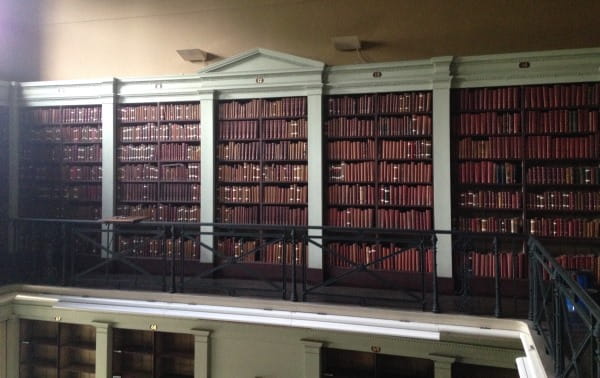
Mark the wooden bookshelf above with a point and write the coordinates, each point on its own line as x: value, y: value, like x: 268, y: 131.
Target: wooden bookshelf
x: 379, y: 173
x: 158, y: 172
x: 261, y: 173
x: 150, y: 354
x: 49, y: 349
x: 61, y: 162
x: 526, y: 163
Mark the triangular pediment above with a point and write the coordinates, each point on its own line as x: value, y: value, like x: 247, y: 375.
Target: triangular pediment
x: 262, y: 60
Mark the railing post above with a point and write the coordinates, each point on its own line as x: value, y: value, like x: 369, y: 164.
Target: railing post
x: 558, y: 328
x: 596, y: 349
x: 532, y: 282
x: 423, y: 269
x: 63, y: 230
x: 435, y: 307
x: 173, y: 259
x: 498, y: 309
x: 294, y: 294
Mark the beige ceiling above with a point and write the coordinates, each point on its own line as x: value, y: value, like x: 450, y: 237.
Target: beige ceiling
x: 72, y: 39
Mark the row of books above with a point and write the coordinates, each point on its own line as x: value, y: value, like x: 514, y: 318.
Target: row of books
x: 512, y: 265
x: 91, y: 192
x: 379, y: 257
x: 243, y: 194
x: 80, y: 173
x: 513, y: 225
x: 403, y: 195
x: 161, y: 112
x: 565, y: 227
x: 481, y: 99
x: 70, y: 114
x: 146, y: 246
x: 180, y: 171
x: 414, y: 172
x: 152, y: 132
x: 405, y: 220
x: 142, y: 172
x: 66, y: 134
x: 406, y: 149
x: 141, y: 152
x: 346, y: 149
x: 488, y: 199
x: 180, y: 152
x: 82, y: 153
x: 549, y: 147
x: 271, y: 129
x: 489, y: 123
x: 270, y: 215
x: 249, y: 172
x: 349, y: 172
x: 561, y: 121
x: 582, y: 175
x: 283, y: 150
x: 405, y: 102
x: 282, y: 107
x: 293, y: 194
x: 581, y: 263
x: 168, y: 192
x: 162, y: 212
x: 561, y: 95
x: 247, y: 251
x: 564, y: 200
x: 389, y: 149
x: 490, y: 148
x: 408, y: 125
x: 386, y: 218
x: 488, y: 172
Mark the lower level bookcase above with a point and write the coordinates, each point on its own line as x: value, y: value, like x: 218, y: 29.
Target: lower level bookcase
x: 60, y: 350
x: 354, y: 364
x: 150, y: 354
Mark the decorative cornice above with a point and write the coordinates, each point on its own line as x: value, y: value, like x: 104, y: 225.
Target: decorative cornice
x: 43, y: 93
x: 527, y: 68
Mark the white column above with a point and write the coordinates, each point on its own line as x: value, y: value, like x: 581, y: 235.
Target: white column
x: 442, y: 365
x: 207, y: 171
x: 104, y: 349
x: 315, y: 173
x: 12, y: 347
x: 201, y: 353
x: 3, y: 348
x: 312, y: 358
x: 442, y: 199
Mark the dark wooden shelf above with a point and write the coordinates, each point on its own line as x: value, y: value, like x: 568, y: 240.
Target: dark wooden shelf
x: 80, y: 368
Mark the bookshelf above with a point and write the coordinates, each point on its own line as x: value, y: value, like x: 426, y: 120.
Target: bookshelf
x: 61, y: 169
x: 158, y: 173
x: 262, y: 171
x: 50, y: 349
x: 357, y: 364
x: 150, y: 354
x: 526, y: 163
x: 379, y: 172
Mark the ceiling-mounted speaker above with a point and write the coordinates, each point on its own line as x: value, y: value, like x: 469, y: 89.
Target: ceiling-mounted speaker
x: 193, y: 55
x: 346, y: 43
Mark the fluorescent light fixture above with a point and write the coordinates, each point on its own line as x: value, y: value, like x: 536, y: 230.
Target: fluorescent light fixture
x: 32, y: 298
x: 193, y: 55
x: 346, y: 43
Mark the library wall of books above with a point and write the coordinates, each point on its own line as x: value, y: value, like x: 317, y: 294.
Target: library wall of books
x: 524, y: 157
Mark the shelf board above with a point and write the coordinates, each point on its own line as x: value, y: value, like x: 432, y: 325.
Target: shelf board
x: 178, y: 161
x: 80, y: 368
x: 77, y: 182
x: 284, y: 204
x: 177, y: 354
x: 501, y: 159
x: 346, y: 205
x: 357, y: 137
x: 564, y: 211
x: 489, y: 209
x: 490, y: 185
x: 46, y: 341
x: 99, y: 162
x: 487, y: 110
x: 80, y: 345
x: 226, y: 140
x: 577, y: 186
x: 138, y: 181
x: 39, y: 363
x: 234, y: 203
x: 488, y: 135
x: 232, y: 161
x: 560, y: 133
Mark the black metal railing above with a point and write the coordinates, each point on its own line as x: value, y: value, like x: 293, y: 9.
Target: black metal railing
x: 565, y: 314
x: 90, y: 253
